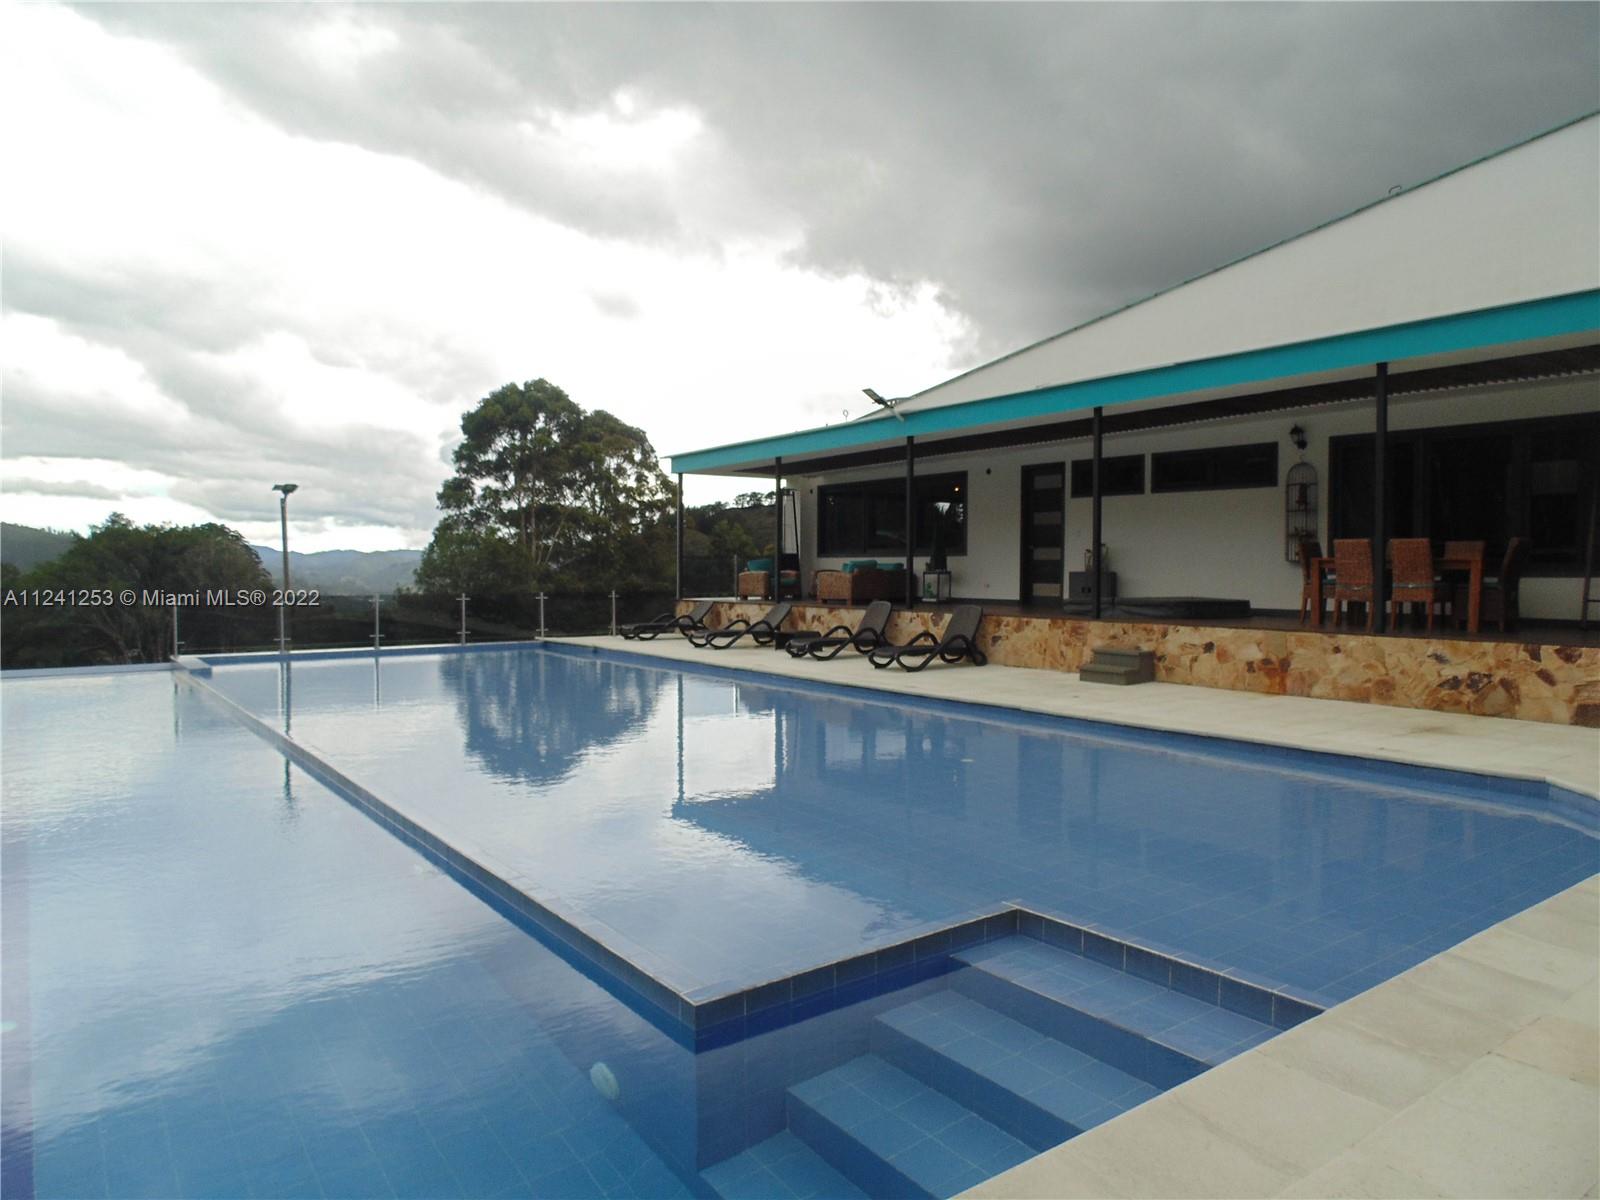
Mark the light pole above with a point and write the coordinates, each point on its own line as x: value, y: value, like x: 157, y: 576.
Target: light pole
x: 283, y: 525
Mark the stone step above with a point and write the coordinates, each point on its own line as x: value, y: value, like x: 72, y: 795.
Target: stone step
x: 1117, y: 664
x: 892, y: 1135
x: 1033, y: 1086
x: 1123, y: 656
x: 1095, y: 673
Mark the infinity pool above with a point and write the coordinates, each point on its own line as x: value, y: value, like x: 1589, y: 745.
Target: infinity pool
x: 223, y: 978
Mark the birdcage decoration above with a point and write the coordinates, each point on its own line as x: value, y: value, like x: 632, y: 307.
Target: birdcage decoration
x: 1299, y: 509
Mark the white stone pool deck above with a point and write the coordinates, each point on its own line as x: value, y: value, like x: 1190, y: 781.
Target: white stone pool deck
x: 1476, y: 1073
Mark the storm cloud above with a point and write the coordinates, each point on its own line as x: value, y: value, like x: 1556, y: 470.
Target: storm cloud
x: 979, y: 175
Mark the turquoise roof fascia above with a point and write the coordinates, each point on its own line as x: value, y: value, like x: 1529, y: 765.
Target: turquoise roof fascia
x: 1578, y: 312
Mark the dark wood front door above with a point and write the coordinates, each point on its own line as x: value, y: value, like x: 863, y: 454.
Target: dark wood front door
x: 1044, y: 513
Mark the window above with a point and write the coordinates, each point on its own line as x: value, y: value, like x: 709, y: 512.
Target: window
x: 1216, y: 468
x: 1467, y: 482
x: 869, y: 518
x: 1120, y: 475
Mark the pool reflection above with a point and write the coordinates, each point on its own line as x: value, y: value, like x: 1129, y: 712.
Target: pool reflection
x: 733, y: 830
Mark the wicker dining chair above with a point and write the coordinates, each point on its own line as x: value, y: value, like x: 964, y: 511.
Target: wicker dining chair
x: 1352, y: 576
x: 1413, y: 581
x: 1309, y: 550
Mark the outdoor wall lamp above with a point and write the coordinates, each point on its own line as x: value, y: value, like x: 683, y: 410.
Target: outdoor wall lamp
x: 1298, y: 437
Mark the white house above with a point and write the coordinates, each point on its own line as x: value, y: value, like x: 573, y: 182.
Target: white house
x: 1475, y: 298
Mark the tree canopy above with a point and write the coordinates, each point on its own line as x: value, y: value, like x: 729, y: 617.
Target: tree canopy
x: 119, y: 556
x: 546, y: 493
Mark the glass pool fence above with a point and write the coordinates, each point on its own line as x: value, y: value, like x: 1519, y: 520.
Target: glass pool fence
x: 129, y: 626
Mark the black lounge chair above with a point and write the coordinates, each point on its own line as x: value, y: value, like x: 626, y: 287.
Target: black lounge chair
x: 763, y: 631
x: 867, y: 635
x: 957, y: 642
x: 692, y: 621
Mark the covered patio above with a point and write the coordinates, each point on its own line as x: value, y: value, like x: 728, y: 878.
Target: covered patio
x: 1421, y: 377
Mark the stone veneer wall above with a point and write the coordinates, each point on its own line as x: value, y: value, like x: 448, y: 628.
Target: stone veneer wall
x: 1554, y: 683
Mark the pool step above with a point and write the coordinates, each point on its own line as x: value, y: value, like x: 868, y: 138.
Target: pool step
x: 1143, y: 1029
x: 1040, y: 1089
x: 782, y: 1165
x: 1028, y: 1045
x: 892, y: 1135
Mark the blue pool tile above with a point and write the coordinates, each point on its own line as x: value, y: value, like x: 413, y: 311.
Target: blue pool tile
x: 887, y: 1134
x: 1247, y: 1001
x: 851, y: 970
x: 1288, y: 1012
x: 1103, y: 950
x: 939, y: 1169
x: 1068, y: 1099
x: 808, y: 1176
x: 1198, y: 982
x: 573, y: 1183
x: 358, y: 1183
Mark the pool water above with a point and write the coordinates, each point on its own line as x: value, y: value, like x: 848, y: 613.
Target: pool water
x: 725, y: 831
x: 222, y: 978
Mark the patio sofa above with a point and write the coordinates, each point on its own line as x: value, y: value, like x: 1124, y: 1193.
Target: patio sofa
x: 860, y: 583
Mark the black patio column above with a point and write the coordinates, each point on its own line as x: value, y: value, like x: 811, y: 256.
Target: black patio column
x: 911, y: 522
x: 1380, y: 501
x: 1094, y: 523
x: 680, y: 538
x: 777, y: 519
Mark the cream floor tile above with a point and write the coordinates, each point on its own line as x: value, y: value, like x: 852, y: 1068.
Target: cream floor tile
x: 1558, y: 1046
x: 1574, y: 930
x: 1171, y: 1152
x: 1468, y: 1154
x: 1531, y: 959
x: 1361, y: 1063
x: 1583, y: 1006
x: 1418, y: 1018
x: 1291, y: 1120
x: 1470, y: 983
x: 1356, y: 1174
x: 1562, y: 1113
x: 1048, y: 1177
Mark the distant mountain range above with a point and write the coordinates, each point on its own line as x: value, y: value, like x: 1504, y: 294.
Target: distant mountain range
x: 26, y: 547
x: 345, y: 572
x: 337, y: 572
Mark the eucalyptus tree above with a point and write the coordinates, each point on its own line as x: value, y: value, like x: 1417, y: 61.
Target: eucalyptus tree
x: 576, y: 495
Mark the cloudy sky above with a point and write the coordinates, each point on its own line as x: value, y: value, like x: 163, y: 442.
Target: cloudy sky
x: 253, y: 243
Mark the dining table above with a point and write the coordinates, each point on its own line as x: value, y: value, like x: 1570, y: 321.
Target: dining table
x: 1470, y: 564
